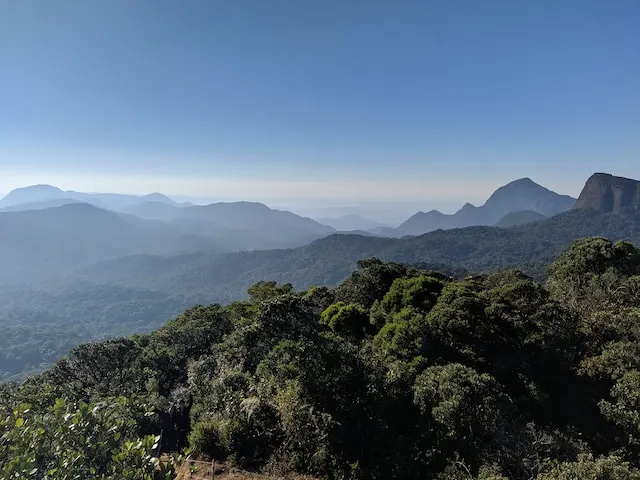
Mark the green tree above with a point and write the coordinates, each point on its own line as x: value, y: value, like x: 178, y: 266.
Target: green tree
x: 420, y: 293
x: 470, y: 413
x: 589, y: 468
x: 78, y: 441
x: 349, y: 321
x: 264, y: 291
x: 587, y: 275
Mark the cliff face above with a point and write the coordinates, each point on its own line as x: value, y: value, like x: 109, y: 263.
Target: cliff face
x: 608, y: 194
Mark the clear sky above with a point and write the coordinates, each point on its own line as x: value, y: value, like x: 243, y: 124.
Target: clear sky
x: 427, y: 101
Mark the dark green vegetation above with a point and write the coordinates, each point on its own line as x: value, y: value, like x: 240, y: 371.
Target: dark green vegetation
x: 519, y: 218
x: 329, y: 260
x: 39, y: 326
x: 53, y: 294
x: 397, y: 372
x: 136, y: 293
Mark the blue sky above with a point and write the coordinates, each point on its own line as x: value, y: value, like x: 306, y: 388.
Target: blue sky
x: 335, y: 101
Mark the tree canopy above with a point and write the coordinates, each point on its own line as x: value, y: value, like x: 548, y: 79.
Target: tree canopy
x: 397, y: 372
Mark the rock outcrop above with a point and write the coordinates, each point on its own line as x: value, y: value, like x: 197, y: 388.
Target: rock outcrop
x: 605, y: 193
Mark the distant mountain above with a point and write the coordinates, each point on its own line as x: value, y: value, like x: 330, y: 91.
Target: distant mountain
x: 46, y: 193
x: 48, y: 284
x: 326, y: 261
x: 385, y: 231
x: 32, y: 194
x: 350, y: 223
x: 153, y: 210
x: 158, y: 198
x: 47, y: 242
x: 234, y: 225
x: 252, y: 224
x: 519, y: 195
x: 240, y: 225
x: 608, y: 194
x: 519, y: 218
x: 40, y: 205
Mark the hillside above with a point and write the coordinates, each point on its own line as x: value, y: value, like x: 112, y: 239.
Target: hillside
x: 82, y: 251
x: 495, y: 376
x: 43, y: 322
x: 256, y: 220
x: 50, y: 234
x: 237, y: 225
x: 519, y: 195
x: 40, y: 205
x: 46, y: 242
x: 153, y: 210
x: 46, y: 193
x: 519, y: 218
x: 350, y: 223
x: 326, y: 261
x: 33, y: 194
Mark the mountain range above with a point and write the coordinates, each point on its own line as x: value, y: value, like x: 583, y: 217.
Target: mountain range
x: 520, y: 195
x: 72, y: 272
x: 232, y: 222
x: 40, y: 194
x: 43, y: 226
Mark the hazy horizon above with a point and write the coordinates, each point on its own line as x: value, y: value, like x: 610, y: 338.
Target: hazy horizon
x: 431, y: 104
x: 384, y: 211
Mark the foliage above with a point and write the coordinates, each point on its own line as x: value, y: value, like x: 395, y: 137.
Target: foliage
x: 46, y: 314
x: 350, y: 321
x: 398, y: 372
x: 589, y: 468
x: 77, y: 441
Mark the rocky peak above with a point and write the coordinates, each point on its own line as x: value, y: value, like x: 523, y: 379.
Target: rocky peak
x: 608, y: 194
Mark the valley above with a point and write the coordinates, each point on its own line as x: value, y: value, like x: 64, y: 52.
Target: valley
x: 76, y: 272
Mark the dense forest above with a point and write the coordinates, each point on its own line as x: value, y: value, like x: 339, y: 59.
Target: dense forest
x: 43, y: 320
x: 397, y: 372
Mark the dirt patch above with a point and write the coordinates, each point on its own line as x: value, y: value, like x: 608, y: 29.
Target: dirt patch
x: 199, y: 470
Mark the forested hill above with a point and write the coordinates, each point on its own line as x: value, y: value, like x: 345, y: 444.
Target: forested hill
x: 326, y: 261
x: 43, y: 321
x: 395, y: 373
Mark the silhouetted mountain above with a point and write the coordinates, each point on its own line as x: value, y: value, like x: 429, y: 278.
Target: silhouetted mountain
x: 32, y: 194
x: 253, y: 224
x: 152, y: 210
x: 236, y: 225
x: 125, y: 294
x: 157, y: 197
x: 519, y: 195
x: 45, y: 193
x: 40, y: 205
x: 519, y: 218
x: 608, y: 194
x: 350, y: 223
